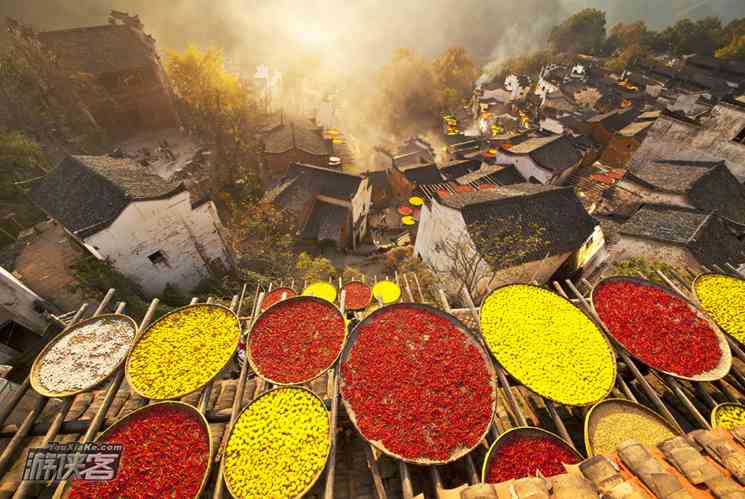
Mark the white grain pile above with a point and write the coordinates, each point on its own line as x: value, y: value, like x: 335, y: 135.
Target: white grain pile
x: 84, y: 357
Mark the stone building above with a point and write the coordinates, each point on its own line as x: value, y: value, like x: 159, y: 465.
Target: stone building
x: 147, y: 227
x: 517, y: 233
x: 132, y: 91
x: 329, y: 206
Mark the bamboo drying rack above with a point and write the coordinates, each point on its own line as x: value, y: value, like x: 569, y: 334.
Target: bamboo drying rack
x: 679, y: 403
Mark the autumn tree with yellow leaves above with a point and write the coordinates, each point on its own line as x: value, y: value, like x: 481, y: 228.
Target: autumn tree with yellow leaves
x: 219, y: 107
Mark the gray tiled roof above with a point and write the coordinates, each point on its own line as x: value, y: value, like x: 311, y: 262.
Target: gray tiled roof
x: 87, y: 193
x: 295, y: 136
x: 511, y: 225
x: 554, y: 153
x: 99, y: 49
x: 665, y: 223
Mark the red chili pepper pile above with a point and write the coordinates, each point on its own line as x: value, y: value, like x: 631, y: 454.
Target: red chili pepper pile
x: 417, y: 384
x: 165, y: 454
x: 274, y: 296
x: 357, y: 295
x: 522, y: 456
x: 658, y: 328
x: 297, y: 340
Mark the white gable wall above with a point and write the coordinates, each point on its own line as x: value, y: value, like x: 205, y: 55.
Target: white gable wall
x: 525, y: 165
x: 188, y: 238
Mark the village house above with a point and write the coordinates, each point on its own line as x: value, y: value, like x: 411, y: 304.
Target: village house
x: 603, y: 127
x: 623, y: 144
x: 132, y: 91
x: 544, y: 160
x: 719, y: 135
x: 681, y: 237
x: 22, y: 311
x: 329, y: 206
x: 148, y: 228
x: 518, y: 86
x: 292, y: 142
x: 705, y: 186
x: 522, y: 233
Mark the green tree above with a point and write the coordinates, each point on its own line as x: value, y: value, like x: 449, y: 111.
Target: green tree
x: 584, y: 33
x: 405, y: 95
x: 21, y: 158
x: 312, y: 268
x: 703, y: 37
x: 455, y: 74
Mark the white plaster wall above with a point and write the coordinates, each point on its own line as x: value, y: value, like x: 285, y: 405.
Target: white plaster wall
x: 438, y: 223
x: 188, y: 239
x: 17, y: 303
x: 361, y: 203
x: 525, y: 165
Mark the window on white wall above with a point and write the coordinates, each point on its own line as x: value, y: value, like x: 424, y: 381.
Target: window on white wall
x: 158, y: 258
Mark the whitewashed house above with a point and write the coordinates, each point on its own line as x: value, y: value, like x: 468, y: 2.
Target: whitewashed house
x: 543, y: 160
x: 517, y: 233
x: 518, y: 86
x: 150, y: 229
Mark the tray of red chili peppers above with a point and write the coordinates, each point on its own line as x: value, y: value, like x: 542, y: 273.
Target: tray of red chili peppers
x: 296, y: 340
x: 275, y: 296
x: 167, y: 451
x: 662, y: 329
x: 417, y: 384
x: 523, y: 451
x: 357, y: 295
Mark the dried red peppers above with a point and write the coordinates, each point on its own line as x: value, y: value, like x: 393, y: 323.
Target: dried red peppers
x: 657, y: 327
x: 417, y: 384
x: 522, y: 456
x: 296, y: 340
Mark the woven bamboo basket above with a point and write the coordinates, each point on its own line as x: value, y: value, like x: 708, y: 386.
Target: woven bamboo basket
x: 277, y: 291
x: 34, y: 378
x: 719, y: 407
x: 355, y: 309
x: 470, y: 336
x: 180, y: 405
x: 523, y: 431
x: 318, y: 473
x: 725, y: 362
x: 600, y: 332
x: 700, y: 304
x: 623, y: 405
x: 213, y: 375
x: 266, y: 313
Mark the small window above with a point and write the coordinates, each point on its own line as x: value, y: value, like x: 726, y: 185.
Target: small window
x: 158, y: 258
x: 740, y: 137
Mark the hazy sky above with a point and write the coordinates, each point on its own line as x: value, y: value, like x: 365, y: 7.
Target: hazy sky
x: 353, y: 31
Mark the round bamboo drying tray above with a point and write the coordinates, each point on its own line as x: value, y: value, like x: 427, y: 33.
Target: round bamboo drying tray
x: 624, y: 406
x: 35, y: 368
x: 254, y: 365
x: 291, y: 293
x: 127, y: 367
x: 522, y: 431
x: 718, y: 407
x: 171, y: 403
x: 725, y: 361
x: 326, y: 286
x: 458, y: 453
x: 355, y: 309
x: 600, y: 331
x: 703, y: 309
x: 238, y: 417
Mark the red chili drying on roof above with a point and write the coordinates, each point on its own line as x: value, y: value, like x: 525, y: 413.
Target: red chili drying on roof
x: 297, y: 340
x: 522, y: 456
x: 274, y: 296
x: 165, y: 454
x: 417, y: 384
x: 358, y: 295
x: 659, y: 328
